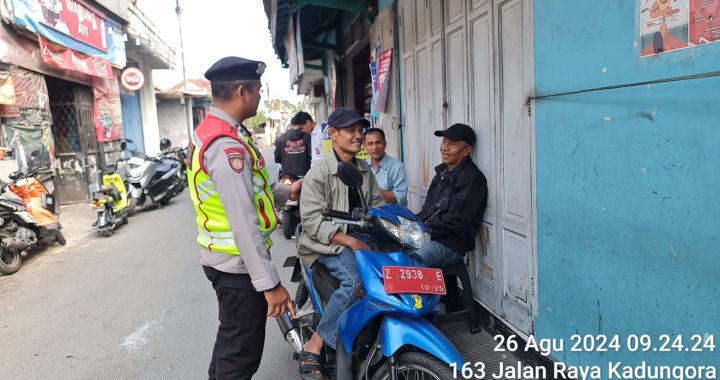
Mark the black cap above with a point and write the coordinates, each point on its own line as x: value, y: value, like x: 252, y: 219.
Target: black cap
x: 344, y: 117
x: 459, y: 132
x: 235, y: 68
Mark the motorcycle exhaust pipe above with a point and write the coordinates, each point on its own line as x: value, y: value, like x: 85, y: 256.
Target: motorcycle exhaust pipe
x: 290, y: 331
x: 13, y: 244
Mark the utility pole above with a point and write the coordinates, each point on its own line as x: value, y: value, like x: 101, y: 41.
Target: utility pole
x: 188, y: 101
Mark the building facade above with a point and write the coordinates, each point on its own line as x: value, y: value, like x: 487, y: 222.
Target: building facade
x: 596, y: 132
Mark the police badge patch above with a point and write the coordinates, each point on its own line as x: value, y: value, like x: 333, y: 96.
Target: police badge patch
x: 236, y: 159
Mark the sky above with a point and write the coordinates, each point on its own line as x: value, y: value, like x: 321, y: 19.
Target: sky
x: 213, y: 29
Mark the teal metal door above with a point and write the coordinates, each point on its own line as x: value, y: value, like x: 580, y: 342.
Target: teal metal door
x: 132, y: 119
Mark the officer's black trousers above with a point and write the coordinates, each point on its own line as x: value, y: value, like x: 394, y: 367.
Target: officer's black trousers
x: 241, y: 334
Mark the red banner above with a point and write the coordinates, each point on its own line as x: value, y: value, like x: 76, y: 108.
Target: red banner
x: 108, y: 110
x: 69, y: 59
x: 77, y: 20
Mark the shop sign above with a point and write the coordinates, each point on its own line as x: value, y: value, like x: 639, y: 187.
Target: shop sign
x: 132, y: 79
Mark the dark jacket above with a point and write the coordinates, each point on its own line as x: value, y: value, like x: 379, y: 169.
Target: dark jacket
x: 293, y: 153
x: 457, y: 224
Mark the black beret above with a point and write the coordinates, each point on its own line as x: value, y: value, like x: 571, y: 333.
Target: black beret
x: 235, y: 68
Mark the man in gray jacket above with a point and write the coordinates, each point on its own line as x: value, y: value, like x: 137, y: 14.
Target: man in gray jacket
x: 333, y: 245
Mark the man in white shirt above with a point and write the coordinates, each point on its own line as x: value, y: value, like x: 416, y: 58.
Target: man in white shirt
x: 315, y: 131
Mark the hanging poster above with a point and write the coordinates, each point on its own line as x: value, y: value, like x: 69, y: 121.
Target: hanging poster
x: 107, y: 113
x: 31, y: 132
x: 374, y: 82
x: 704, y: 21
x: 30, y: 92
x: 7, y: 89
x: 663, y: 26
x: 384, y: 79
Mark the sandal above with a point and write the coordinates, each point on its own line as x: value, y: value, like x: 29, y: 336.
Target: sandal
x: 311, y: 366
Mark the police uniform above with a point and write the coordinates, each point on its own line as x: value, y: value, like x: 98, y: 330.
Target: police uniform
x: 234, y: 203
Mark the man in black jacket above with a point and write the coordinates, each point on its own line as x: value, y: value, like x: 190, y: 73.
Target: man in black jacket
x: 292, y: 149
x: 454, y: 221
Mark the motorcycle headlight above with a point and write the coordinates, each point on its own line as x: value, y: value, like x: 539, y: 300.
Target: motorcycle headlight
x: 393, y: 229
x: 414, y: 234
x: 408, y: 232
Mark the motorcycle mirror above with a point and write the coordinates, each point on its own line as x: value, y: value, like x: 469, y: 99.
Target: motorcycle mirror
x: 123, y: 145
x: 350, y: 175
x: 130, y: 141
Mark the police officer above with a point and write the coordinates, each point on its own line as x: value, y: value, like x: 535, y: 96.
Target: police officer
x: 234, y: 201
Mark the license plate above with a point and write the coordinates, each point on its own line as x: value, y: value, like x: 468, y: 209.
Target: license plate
x: 413, y: 280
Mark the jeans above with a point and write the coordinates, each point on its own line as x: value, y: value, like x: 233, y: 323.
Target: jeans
x: 343, y: 267
x: 437, y: 255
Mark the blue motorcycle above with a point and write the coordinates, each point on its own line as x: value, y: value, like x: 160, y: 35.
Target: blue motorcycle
x: 388, y: 333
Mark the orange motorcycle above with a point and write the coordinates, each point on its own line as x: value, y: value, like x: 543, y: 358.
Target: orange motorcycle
x: 26, y: 222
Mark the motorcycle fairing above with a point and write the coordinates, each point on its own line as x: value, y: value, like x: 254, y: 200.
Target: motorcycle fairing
x: 370, y: 266
x: 307, y: 273
x: 376, y: 301
x: 397, y: 331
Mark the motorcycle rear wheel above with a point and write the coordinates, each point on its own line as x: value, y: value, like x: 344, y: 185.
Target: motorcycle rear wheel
x: 301, y: 294
x: 10, y: 261
x: 413, y: 365
x: 288, y: 224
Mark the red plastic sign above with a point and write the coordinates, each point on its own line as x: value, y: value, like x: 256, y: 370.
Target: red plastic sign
x: 132, y: 79
x: 414, y: 280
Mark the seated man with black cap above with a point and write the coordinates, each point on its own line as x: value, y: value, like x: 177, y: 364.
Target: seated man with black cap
x: 329, y: 244
x: 454, y: 221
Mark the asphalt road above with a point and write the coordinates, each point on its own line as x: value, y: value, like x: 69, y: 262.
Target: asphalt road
x: 136, y: 305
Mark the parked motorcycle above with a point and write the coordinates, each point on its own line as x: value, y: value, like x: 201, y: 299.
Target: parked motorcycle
x: 152, y: 178
x: 291, y: 210
x: 179, y: 155
x: 26, y: 223
x: 387, y: 333
x: 110, y: 202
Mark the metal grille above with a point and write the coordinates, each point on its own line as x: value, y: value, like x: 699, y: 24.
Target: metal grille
x: 71, y: 106
x: 73, y: 129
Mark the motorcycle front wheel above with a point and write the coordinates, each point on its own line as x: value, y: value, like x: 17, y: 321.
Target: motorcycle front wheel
x: 10, y: 260
x: 416, y: 365
x: 131, y: 206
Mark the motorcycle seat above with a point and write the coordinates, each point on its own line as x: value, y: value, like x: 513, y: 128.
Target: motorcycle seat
x: 14, y: 200
x: 165, y: 166
x: 110, y: 190
x: 325, y: 283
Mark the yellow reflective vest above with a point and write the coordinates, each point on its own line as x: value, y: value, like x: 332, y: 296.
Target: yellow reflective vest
x: 214, y: 232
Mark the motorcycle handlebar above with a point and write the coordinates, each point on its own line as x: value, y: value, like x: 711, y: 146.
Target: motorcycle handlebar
x: 338, y: 214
